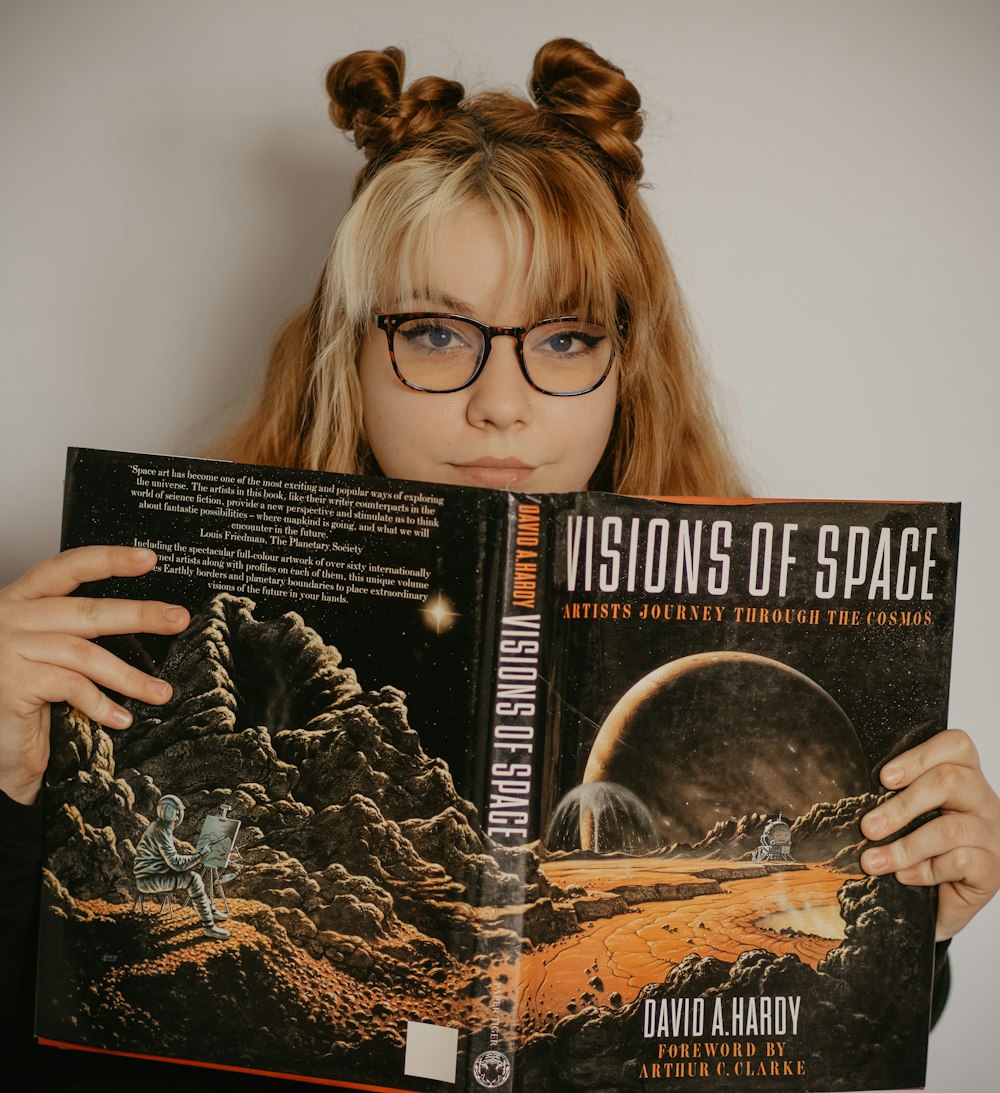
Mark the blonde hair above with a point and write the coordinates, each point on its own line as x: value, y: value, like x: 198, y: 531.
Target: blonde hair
x: 561, y: 174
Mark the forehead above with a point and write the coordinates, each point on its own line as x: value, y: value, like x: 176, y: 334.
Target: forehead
x: 491, y: 263
x: 473, y: 262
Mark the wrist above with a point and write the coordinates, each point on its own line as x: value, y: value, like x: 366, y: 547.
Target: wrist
x: 25, y: 791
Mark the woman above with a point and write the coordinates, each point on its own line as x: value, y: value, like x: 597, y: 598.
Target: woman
x: 492, y: 215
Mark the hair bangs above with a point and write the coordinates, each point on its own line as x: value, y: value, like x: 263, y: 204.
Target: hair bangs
x: 567, y: 248
x: 565, y: 257
x: 387, y: 244
x: 565, y: 234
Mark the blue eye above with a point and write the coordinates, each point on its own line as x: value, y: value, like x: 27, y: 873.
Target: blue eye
x: 567, y: 339
x: 427, y: 336
x: 571, y: 342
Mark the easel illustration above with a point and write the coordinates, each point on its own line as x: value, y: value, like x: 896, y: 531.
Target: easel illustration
x: 218, y: 839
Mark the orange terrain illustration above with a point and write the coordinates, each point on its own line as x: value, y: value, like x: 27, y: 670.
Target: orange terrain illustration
x: 789, y: 909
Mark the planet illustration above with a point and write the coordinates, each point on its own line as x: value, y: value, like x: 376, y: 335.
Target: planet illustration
x: 719, y: 735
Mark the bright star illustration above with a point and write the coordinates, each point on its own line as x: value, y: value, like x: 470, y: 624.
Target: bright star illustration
x: 439, y: 612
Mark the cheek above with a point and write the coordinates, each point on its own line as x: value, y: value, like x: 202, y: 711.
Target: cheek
x: 592, y: 433
x: 392, y: 433
x: 403, y: 427
x: 381, y: 413
x: 582, y: 427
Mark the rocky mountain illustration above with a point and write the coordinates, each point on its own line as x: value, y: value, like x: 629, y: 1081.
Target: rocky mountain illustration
x: 828, y: 832
x: 265, y: 719
x: 356, y: 848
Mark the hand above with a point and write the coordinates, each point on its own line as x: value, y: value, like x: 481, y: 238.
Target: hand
x: 958, y: 850
x: 45, y: 654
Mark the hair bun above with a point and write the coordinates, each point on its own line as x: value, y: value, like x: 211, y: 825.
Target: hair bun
x: 590, y: 95
x: 367, y: 97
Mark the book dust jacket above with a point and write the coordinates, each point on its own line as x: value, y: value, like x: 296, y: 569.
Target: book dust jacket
x: 466, y: 790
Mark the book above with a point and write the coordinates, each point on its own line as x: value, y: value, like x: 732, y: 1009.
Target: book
x: 465, y: 789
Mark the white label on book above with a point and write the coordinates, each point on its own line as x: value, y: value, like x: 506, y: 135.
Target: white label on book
x: 431, y: 1051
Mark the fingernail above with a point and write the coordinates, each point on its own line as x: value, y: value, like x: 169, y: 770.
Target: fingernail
x: 892, y: 776
x: 144, y: 554
x: 121, y: 717
x: 163, y: 690
x: 875, y: 861
x: 174, y: 614
x: 875, y: 824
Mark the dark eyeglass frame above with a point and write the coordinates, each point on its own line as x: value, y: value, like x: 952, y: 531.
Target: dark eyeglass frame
x: 390, y: 323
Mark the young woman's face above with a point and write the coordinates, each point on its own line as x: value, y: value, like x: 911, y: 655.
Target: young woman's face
x: 499, y: 432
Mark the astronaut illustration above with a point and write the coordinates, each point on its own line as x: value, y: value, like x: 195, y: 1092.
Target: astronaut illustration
x: 775, y: 842
x: 160, y: 869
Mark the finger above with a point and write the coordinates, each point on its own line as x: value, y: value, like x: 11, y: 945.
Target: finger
x: 948, y: 786
x: 949, y: 746
x: 967, y: 867
x: 951, y: 833
x: 85, y: 617
x: 55, y: 684
x: 60, y: 575
x: 44, y: 657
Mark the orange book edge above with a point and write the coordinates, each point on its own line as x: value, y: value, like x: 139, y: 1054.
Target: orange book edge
x: 224, y: 1066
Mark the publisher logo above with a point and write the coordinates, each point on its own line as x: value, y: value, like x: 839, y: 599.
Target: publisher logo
x: 491, y: 1069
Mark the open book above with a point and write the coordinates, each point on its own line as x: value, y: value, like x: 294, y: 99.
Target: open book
x: 462, y: 789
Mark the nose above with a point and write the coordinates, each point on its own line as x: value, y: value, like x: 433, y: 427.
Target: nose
x: 501, y: 396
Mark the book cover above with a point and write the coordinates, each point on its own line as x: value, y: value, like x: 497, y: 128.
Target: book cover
x: 462, y: 789
x: 726, y: 683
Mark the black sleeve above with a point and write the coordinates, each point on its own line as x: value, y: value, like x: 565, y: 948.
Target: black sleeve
x: 942, y: 980
x: 20, y: 875
x: 20, y: 872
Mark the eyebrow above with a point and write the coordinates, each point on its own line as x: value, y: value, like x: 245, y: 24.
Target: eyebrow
x: 461, y: 307
x: 451, y: 303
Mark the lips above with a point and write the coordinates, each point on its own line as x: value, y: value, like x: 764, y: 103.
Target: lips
x: 498, y: 473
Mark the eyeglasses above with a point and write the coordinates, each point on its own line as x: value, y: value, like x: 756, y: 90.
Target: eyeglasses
x: 445, y: 353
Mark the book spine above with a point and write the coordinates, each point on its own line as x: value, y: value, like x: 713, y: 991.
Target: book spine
x: 510, y: 787
x: 516, y: 714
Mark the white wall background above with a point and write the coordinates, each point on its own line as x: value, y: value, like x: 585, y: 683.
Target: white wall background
x: 826, y: 175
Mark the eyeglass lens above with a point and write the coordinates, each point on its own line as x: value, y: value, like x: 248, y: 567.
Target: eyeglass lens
x: 560, y: 356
